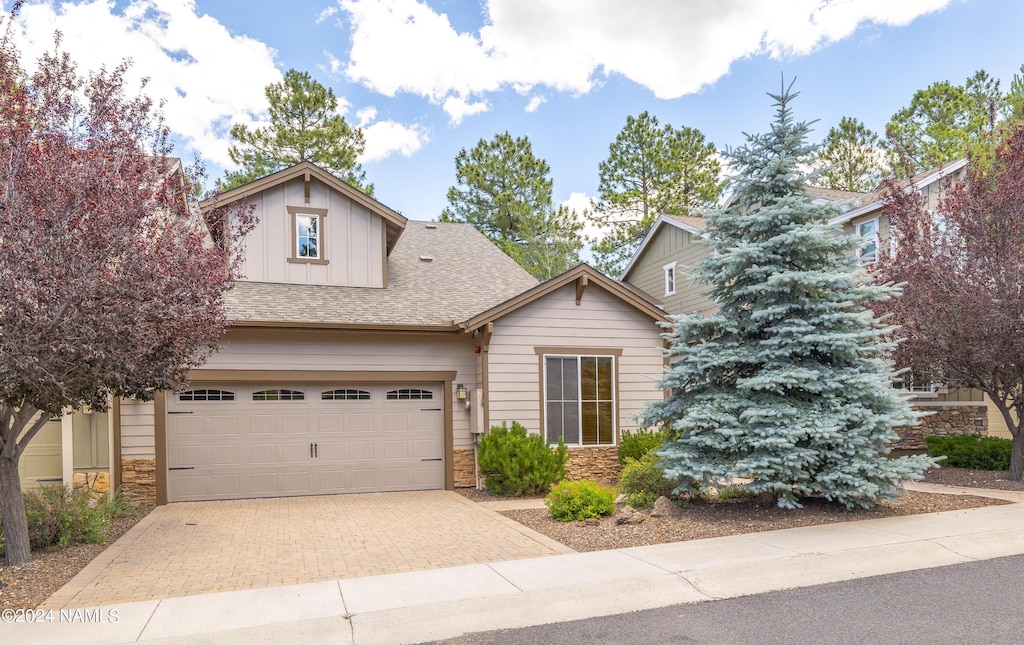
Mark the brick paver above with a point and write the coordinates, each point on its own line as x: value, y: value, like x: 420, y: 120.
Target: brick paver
x: 202, y: 547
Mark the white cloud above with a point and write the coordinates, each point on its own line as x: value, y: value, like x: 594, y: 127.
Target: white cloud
x: 365, y: 115
x: 534, y: 103
x: 670, y: 47
x: 192, y: 61
x: 326, y: 13
x: 333, y: 66
x: 385, y: 138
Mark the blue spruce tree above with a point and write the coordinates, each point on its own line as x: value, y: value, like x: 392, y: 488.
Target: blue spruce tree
x: 787, y: 384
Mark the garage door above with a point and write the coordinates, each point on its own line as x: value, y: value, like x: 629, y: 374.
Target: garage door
x: 231, y: 441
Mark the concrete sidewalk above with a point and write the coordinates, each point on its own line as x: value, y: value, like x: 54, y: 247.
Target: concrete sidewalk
x: 426, y: 605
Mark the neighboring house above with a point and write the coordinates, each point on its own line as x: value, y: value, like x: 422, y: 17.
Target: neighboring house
x: 367, y: 352
x: 664, y: 267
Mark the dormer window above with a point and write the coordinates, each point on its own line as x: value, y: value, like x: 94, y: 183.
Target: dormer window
x: 308, y: 234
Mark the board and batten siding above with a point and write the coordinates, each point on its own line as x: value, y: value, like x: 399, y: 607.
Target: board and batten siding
x: 258, y: 350
x: 138, y: 440
x: 352, y: 239
x: 599, y: 321
x: 673, y: 244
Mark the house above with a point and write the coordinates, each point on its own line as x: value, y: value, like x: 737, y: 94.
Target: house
x: 368, y: 352
x: 664, y: 267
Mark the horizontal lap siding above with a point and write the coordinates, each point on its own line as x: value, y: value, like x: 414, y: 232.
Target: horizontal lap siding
x: 137, y: 436
x: 686, y: 250
x: 600, y: 321
x: 354, y: 351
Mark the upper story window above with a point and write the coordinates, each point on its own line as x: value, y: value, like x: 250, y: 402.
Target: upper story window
x: 308, y: 234
x: 868, y: 234
x: 670, y: 279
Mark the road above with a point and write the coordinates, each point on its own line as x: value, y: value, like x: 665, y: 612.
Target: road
x: 977, y: 602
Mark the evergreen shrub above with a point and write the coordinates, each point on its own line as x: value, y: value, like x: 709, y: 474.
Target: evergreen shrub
x: 972, y: 451
x: 59, y: 516
x: 643, y: 481
x: 569, y: 501
x: 516, y: 463
x: 634, y: 445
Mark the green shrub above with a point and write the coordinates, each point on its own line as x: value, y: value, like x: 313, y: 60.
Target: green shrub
x: 634, y: 445
x: 643, y: 481
x: 580, y: 500
x: 734, y: 492
x: 516, y: 463
x: 972, y: 451
x: 59, y: 516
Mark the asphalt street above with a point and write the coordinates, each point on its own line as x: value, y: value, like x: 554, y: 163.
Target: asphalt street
x: 977, y: 602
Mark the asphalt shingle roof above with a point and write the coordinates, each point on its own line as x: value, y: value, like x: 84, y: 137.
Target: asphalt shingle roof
x: 466, y: 275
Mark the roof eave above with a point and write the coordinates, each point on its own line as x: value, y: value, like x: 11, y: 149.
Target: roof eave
x: 662, y: 219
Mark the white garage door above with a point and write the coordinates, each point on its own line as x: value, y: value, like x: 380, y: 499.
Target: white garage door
x: 231, y: 441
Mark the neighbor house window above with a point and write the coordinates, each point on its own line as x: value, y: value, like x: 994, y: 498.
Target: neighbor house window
x: 308, y: 235
x: 670, y: 279
x: 579, y: 399
x: 868, y: 234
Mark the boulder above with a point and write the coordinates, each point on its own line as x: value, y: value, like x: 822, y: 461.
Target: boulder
x: 629, y: 515
x: 664, y: 507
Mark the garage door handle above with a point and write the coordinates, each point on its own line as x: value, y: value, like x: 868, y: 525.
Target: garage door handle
x: 435, y: 459
x: 430, y: 409
x: 177, y: 412
x: 182, y: 468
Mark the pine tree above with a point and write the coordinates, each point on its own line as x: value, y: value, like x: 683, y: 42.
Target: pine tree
x: 787, y: 384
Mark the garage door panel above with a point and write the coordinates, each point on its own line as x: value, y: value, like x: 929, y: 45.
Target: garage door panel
x: 245, y: 448
x: 263, y: 424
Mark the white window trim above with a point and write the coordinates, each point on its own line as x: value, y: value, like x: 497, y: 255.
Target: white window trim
x: 579, y: 400
x: 861, y: 238
x: 670, y: 268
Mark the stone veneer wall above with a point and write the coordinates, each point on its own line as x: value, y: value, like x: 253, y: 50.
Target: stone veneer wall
x: 465, y: 469
x: 138, y: 482
x: 954, y: 420
x: 599, y: 463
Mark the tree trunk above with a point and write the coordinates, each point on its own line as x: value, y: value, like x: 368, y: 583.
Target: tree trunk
x: 13, y: 506
x: 1017, y: 457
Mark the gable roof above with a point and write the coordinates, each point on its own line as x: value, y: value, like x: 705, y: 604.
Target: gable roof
x: 466, y: 274
x: 583, y: 275
x: 692, y: 225
x: 875, y: 199
x: 394, y: 222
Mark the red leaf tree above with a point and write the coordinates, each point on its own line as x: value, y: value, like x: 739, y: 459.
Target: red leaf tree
x: 110, y: 282
x: 962, y: 263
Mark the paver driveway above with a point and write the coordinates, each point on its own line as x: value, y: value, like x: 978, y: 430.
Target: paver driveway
x: 200, y: 547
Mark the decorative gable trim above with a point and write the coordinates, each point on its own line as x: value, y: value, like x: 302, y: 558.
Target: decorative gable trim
x: 658, y: 223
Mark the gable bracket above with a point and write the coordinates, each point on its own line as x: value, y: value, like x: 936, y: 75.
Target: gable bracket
x: 581, y: 285
x: 305, y: 188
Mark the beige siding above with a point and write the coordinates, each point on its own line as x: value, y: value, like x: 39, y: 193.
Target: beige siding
x: 600, y: 321
x: 996, y: 422
x: 355, y: 351
x: 351, y: 239
x: 672, y: 244
x: 137, y: 435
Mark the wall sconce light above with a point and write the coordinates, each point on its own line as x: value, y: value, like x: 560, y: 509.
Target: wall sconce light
x: 462, y: 394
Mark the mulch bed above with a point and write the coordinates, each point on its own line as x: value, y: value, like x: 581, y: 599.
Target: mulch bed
x: 28, y: 585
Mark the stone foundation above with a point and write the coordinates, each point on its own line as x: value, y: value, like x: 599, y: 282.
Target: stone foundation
x: 94, y: 482
x: 961, y: 419
x: 465, y: 469
x: 138, y: 482
x: 598, y: 463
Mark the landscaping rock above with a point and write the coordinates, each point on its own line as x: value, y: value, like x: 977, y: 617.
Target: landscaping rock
x: 664, y: 507
x: 629, y: 515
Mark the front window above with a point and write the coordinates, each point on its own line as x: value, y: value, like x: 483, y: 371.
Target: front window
x: 868, y: 234
x: 307, y: 236
x: 579, y: 399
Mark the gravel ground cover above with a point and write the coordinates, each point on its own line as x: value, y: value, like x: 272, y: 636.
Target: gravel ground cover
x: 733, y: 517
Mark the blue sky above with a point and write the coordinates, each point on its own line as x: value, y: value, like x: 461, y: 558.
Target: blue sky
x: 427, y: 78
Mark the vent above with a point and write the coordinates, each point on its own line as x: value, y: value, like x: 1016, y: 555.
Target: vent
x: 426, y: 258
x: 431, y: 227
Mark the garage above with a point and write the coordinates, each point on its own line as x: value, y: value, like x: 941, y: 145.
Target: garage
x: 235, y: 440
